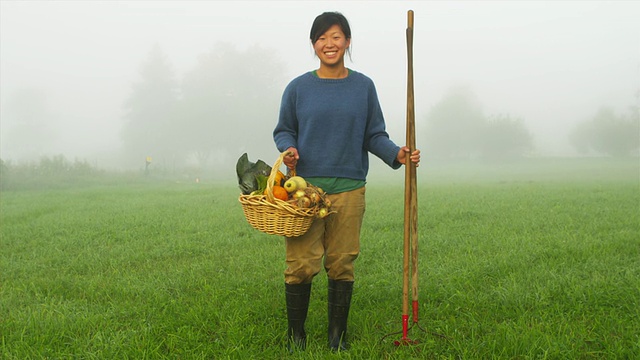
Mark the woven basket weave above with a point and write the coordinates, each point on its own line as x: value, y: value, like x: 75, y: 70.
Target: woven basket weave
x: 274, y: 216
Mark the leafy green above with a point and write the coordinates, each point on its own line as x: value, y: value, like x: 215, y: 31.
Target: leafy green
x: 262, y: 182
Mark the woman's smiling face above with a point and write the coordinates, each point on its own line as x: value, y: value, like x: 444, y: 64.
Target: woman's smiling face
x: 331, y: 46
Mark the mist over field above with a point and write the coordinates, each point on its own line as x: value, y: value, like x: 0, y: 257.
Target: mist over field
x: 197, y: 83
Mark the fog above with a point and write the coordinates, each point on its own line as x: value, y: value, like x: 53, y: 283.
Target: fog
x: 552, y: 64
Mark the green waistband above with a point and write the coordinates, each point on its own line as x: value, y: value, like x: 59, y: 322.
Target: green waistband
x: 335, y: 185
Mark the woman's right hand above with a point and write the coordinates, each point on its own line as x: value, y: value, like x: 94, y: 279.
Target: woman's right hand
x: 290, y: 161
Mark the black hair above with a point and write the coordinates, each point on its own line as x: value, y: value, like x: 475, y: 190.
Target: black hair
x: 324, y: 21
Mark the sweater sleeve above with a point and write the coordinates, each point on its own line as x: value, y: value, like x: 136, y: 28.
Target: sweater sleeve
x: 285, y: 133
x: 377, y: 139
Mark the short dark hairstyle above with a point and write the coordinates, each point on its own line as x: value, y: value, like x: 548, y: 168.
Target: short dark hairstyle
x: 324, y: 21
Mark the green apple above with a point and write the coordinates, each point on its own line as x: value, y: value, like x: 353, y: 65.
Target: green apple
x: 295, y: 183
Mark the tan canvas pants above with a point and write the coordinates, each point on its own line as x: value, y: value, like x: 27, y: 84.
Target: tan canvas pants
x: 336, y: 239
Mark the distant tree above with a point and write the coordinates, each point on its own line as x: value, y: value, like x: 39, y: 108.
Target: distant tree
x: 26, y: 124
x: 453, y: 126
x: 580, y: 137
x: 608, y: 133
x: 230, y: 102
x: 151, y: 110
x: 4, y: 174
x: 505, y: 137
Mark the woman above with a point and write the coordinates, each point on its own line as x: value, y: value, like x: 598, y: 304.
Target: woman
x: 330, y: 119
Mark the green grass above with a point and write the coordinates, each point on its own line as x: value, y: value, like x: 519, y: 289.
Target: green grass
x: 520, y: 262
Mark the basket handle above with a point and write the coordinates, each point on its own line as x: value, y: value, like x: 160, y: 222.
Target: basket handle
x: 274, y: 171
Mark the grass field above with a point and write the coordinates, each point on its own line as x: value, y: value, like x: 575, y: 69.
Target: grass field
x: 529, y: 261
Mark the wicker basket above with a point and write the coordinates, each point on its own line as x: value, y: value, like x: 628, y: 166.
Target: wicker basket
x: 274, y: 216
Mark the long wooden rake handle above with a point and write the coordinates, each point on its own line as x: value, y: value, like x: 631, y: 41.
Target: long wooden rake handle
x: 410, y: 204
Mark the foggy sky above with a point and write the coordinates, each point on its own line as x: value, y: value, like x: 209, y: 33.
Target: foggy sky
x: 551, y: 63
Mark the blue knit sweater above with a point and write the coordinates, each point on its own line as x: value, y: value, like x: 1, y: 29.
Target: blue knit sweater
x: 334, y: 124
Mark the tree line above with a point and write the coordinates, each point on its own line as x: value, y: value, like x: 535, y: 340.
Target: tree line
x: 456, y: 127
x: 227, y: 104
x: 608, y: 133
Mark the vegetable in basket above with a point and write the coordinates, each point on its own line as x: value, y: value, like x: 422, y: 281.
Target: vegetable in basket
x: 249, y: 172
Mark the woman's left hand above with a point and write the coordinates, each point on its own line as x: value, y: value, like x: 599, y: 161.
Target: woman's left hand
x: 415, y: 155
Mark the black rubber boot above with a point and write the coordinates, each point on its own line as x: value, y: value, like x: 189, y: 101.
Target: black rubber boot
x: 339, y: 303
x: 297, y: 306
